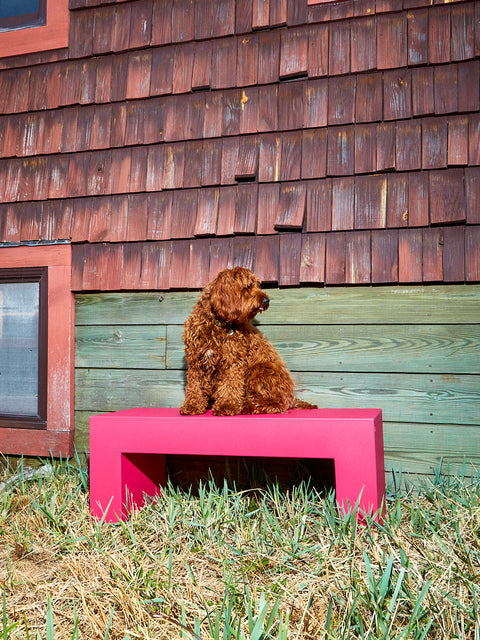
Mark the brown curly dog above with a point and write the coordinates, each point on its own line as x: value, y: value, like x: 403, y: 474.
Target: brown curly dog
x: 232, y: 368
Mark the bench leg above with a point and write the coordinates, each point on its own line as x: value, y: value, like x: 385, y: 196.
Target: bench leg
x: 142, y: 474
x: 354, y: 480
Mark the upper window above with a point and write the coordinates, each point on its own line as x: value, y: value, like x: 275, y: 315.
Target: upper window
x: 18, y: 14
x: 23, y: 348
x: 31, y: 26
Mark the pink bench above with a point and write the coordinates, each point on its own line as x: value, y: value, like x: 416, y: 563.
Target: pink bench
x: 128, y: 449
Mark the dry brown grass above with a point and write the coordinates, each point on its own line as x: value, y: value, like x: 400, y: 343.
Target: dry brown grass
x: 254, y: 565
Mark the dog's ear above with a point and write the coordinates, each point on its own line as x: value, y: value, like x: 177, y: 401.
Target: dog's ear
x: 224, y: 298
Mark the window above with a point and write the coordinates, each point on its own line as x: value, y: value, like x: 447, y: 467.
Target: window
x: 18, y: 14
x: 30, y: 26
x: 36, y: 350
x: 23, y: 348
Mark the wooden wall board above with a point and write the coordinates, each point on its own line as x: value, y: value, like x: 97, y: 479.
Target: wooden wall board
x: 452, y: 304
x: 403, y: 398
x: 436, y: 399
x: 378, y: 348
x: 423, y: 449
x: 120, y: 346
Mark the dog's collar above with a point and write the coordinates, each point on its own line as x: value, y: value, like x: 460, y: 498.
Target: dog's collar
x: 228, y: 326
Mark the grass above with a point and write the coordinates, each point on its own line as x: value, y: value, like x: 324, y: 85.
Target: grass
x: 227, y: 565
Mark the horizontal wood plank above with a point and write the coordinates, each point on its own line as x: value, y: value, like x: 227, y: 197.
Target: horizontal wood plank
x: 379, y: 348
x: 433, y: 399
x: 453, y: 304
x: 429, y: 399
x: 102, y: 390
x: 120, y: 346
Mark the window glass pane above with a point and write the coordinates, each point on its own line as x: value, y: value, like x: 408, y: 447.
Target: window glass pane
x: 9, y: 8
x: 19, y: 341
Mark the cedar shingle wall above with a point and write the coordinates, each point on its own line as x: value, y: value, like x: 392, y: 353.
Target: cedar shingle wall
x: 334, y: 144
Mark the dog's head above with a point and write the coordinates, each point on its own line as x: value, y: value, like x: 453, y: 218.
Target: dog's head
x: 235, y: 296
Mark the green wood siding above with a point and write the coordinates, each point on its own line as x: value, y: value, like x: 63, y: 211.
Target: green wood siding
x: 412, y: 351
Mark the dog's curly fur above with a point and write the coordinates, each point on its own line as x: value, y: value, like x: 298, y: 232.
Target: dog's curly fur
x: 232, y: 368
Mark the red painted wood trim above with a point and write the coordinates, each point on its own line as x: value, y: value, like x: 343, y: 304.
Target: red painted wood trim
x: 58, y: 437
x: 53, y: 35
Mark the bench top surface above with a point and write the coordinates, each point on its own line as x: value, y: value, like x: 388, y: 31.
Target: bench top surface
x: 315, y: 414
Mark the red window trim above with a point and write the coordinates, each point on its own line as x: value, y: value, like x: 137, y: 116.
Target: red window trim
x: 53, y: 35
x: 57, y: 438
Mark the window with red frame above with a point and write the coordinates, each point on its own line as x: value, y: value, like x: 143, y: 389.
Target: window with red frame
x: 18, y: 14
x: 31, y: 26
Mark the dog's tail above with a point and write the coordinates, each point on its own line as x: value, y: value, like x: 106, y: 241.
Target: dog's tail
x: 302, y: 404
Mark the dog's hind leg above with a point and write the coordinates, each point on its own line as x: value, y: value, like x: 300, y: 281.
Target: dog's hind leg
x: 269, y: 388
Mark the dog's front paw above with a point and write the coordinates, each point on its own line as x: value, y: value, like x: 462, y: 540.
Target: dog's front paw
x: 190, y: 409
x: 225, y: 409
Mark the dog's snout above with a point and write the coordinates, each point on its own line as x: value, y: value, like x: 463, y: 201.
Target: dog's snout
x: 265, y: 302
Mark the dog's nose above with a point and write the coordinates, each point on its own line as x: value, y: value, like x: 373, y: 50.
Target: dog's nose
x: 265, y: 302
